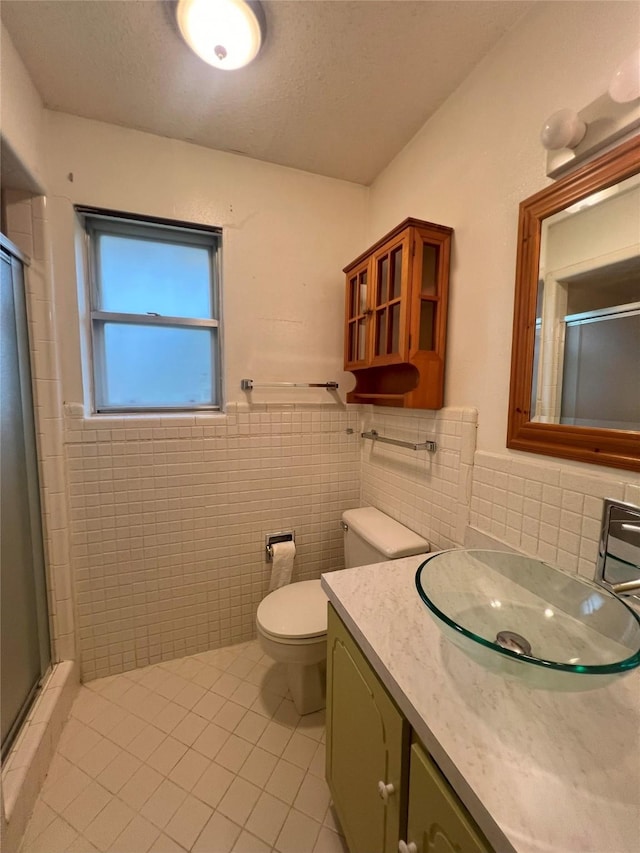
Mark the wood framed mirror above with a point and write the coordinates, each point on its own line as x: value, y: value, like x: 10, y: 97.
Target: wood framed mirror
x: 575, y: 365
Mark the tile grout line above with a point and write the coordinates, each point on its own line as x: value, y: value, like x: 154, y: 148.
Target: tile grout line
x: 88, y: 746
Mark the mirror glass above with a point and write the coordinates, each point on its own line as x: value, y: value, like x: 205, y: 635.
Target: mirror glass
x: 575, y: 366
x: 587, y: 336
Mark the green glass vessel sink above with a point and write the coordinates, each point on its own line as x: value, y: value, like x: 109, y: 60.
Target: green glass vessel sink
x: 524, y: 618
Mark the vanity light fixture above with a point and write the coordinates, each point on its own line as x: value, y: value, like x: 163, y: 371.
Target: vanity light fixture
x: 625, y: 83
x: 224, y: 33
x: 563, y: 129
x: 572, y: 137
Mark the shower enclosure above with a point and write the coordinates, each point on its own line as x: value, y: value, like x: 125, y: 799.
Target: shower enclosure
x: 24, y: 630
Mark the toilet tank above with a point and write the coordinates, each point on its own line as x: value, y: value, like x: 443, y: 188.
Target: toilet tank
x: 370, y: 536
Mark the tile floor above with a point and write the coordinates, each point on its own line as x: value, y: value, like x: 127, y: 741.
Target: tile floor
x: 204, y: 754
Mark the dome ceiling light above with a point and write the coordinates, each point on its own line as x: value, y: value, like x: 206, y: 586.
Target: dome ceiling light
x: 224, y: 33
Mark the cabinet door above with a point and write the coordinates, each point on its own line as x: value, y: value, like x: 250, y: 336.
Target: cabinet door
x: 437, y: 821
x: 366, y: 739
x: 357, y: 314
x: 429, y: 292
x: 389, y: 296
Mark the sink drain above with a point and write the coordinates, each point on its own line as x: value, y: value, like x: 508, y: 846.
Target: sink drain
x: 513, y: 642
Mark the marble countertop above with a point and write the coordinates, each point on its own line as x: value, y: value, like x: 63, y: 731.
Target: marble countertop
x: 539, y: 770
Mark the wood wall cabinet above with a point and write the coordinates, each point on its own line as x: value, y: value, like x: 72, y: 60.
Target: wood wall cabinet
x: 396, y: 317
x: 388, y: 793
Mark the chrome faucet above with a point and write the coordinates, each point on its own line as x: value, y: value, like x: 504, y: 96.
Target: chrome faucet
x: 618, y: 564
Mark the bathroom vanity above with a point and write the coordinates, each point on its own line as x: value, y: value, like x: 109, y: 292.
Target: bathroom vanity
x: 384, y: 784
x: 478, y: 760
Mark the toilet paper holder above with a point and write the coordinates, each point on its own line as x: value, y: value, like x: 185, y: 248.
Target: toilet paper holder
x: 272, y: 539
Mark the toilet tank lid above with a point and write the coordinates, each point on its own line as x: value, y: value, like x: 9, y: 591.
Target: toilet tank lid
x: 386, y: 535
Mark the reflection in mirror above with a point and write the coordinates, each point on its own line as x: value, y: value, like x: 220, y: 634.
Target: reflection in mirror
x: 618, y: 566
x: 575, y: 386
x: 587, y: 338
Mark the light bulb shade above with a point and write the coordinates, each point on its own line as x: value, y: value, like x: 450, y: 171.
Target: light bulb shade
x: 224, y: 33
x: 625, y: 83
x: 563, y: 129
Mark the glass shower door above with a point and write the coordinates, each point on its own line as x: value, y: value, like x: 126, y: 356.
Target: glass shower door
x: 24, y: 641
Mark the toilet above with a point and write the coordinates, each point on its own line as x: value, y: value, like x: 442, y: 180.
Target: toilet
x: 292, y: 621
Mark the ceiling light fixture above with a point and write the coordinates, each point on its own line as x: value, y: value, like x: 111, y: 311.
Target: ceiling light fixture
x: 224, y: 33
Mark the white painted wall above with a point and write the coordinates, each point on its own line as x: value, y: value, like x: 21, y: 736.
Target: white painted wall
x: 286, y: 236
x: 21, y: 118
x: 477, y: 158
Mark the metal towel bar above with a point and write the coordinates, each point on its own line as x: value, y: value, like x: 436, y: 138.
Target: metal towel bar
x: 249, y: 385
x: 431, y: 446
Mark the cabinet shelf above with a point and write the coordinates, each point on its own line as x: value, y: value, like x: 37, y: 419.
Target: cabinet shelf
x: 396, y: 317
x: 379, y: 396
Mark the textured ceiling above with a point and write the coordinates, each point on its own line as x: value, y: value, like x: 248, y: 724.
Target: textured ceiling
x: 338, y: 88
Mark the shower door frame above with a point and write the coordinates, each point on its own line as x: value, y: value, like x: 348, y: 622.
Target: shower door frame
x: 18, y: 262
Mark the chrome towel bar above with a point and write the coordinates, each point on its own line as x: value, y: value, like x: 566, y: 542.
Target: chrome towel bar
x: 249, y: 385
x: 431, y: 446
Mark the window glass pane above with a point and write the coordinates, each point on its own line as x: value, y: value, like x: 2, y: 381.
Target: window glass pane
x: 396, y: 274
x: 383, y: 278
x: 353, y: 296
x: 362, y: 331
x: 381, y: 332
x: 395, y: 327
x: 429, y: 269
x: 363, y: 292
x: 427, y: 325
x: 139, y: 276
x: 156, y: 366
x: 353, y: 340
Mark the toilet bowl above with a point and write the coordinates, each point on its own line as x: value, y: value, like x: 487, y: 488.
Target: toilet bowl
x: 292, y: 629
x: 292, y: 621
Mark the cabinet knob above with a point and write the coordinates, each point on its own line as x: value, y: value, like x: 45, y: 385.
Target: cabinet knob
x: 411, y: 847
x: 385, y: 791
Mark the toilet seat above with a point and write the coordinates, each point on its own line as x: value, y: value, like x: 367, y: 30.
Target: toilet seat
x: 296, y: 613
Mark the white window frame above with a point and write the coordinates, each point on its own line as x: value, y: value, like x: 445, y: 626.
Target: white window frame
x: 96, y: 222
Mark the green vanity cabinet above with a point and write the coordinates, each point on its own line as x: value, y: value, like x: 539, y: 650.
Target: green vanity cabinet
x: 437, y: 820
x: 367, y: 744
x: 388, y: 793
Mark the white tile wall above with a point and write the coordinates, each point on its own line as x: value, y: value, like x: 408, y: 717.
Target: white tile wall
x: 26, y: 224
x: 168, y: 518
x: 545, y: 509
x: 429, y: 492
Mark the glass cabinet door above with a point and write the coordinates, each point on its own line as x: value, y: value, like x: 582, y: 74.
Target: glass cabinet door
x: 427, y: 295
x: 357, y: 316
x: 390, y: 270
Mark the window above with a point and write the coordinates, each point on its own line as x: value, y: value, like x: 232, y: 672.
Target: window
x: 155, y: 314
